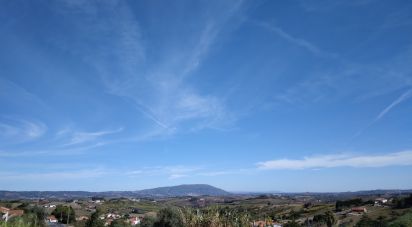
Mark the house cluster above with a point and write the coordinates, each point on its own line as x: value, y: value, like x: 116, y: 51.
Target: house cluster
x: 266, y: 224
x: 135, y: 220
x: 358, y: 210
x: 110, y: 217
x: 82, y: 218
x: 380, y: 201
x: 6, y: 213
x: 51, y: 219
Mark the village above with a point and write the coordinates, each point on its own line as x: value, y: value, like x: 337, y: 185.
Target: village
x: 262, y: 211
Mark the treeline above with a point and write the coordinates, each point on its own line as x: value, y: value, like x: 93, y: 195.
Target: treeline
x: 342, y: 204
x: 402, y: 221
x: 208, y: 217
x: 64, y: 214
x: 401, y: 203
x: 365, y: 221
x: 33, y: 216
x: 179, y: 217
x: 328, y: 219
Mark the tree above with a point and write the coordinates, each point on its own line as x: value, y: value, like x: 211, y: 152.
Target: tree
x: 119, y: 223
x: 307, y: 205
x: 347, y: 203
x: 65, y: 214
x: 28, y: 219
x: 94, y: 220
x: 39, y: 213
x: 403, y: 202
x: 330, y: 218
x: 169, y: 217
x: 327, y: 218
x: 292, y: 223
x: 318, y: 219
x: 381, y: 221
x: 365, y: 221
x: 148, y: 221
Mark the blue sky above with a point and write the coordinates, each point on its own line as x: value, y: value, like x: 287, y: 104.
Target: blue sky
x: 242, y: 95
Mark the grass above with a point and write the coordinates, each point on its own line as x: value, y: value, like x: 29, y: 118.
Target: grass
x: 404, y: 220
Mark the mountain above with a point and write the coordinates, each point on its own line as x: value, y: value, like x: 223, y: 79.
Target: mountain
x: 173, y: 191
x: 184, y: 190
x: 10, y: 195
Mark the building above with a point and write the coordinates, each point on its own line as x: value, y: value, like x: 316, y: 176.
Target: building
x: 108, y: 222
x: 267, y: 223
x: 16, y: 213
x: 82, y: 218
x: 134, y: 220
x: 359, y: 210
x: 4, y: 210
x: 51, y: 219
x: 380, y: 201
x: 259, y: 223
x: 4, y: 213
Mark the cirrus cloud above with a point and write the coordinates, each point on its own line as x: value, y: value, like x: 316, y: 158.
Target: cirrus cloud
x: 340, y: 160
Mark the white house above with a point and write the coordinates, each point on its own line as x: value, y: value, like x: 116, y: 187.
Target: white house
x: 380, y: 201
x: 4, y: 213
x: 52, y: 219
x: 134, y: 220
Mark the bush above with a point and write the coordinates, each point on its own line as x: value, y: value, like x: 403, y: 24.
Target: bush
x: 404, y: 220
x: 119, y: 223
x: 365, y: 221
x: 403, y: 202
x: 94, y: 220
x: 169, y: 217
x: 148, y: 221
x: 65, y: 214
x: 347, y: 203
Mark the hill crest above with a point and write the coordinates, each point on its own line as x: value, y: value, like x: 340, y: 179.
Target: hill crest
x: 168, y: 191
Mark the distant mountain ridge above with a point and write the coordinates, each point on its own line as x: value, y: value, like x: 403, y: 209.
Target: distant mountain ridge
x: 185, y: 190
x: 171, y: 191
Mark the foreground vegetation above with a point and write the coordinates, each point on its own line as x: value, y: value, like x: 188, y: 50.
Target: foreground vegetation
x: 180, y: 212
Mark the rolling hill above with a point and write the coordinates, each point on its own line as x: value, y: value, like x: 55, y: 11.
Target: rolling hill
x: 172, y: 191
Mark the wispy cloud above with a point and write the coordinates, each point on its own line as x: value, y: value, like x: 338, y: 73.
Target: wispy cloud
x: 66, y: 142
x: 346, y: 79
x: 322, y: 6
x: 57, y: 175
x: 176, y: 176
x: 340, y: 160
x: 169, y: 101
x: 34, y: 130
x: 50, y: 151
x: 172, y: 172
x: 177, y: 172
x: 406, y: 95
x: 19, y: 130
x: 295, y: 40
x: 226, y: 172
x: 11, y: 91
x: 157, y: 87
x: 83, y: 137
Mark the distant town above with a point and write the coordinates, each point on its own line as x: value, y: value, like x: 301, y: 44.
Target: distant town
x: 390, y: 208
x: 205, y: 113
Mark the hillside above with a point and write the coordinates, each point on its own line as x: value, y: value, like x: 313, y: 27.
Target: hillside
x: 184, y: 190
x: 180, y: 190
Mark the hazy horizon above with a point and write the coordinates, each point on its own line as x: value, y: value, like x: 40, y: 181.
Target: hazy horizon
x: 231, y: 191
x: 294, y: 96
